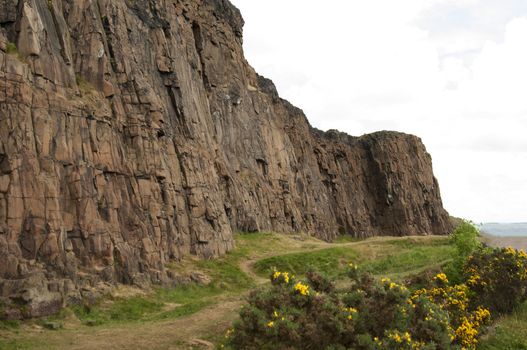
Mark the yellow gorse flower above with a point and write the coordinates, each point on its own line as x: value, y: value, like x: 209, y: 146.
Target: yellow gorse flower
x: 351, y: 311
x: 467, y: 334
x: 406, y: 336
x: 481, y: 315
x: 441, y: 277
x: 285, y: 276
x: 228, y: 333
x: 397, y: 338
x: 302, y: 288
x: 405, y: 339
x: 392, y: 285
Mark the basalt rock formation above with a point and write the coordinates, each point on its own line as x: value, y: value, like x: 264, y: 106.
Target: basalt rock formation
x: 133, y: 133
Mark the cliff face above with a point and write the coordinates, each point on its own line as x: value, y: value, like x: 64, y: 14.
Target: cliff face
x: 133, y: 133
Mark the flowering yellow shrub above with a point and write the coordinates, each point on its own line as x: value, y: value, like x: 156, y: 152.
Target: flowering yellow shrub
x: 369, y: 314
x: 497, y: 278
x: 469, y: 329
x: 467, y: 334
x: 452, y: 298
x: 465, y: 324
x: 374, y: 314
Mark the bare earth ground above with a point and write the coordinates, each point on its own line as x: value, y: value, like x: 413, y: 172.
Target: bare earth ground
x: 173, y: 334
x: 497, y: 241
x: 185, y: 332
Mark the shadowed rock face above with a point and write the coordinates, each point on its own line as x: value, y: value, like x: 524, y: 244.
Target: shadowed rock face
x: 133, y: 133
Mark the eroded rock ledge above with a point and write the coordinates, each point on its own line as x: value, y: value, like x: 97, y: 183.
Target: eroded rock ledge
x: 133, y: 133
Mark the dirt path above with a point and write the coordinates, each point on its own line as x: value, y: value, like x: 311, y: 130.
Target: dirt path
x: 247, y: 268
x: 180, y: 333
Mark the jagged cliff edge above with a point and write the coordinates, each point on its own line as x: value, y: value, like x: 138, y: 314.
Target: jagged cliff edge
x: 133, y: 133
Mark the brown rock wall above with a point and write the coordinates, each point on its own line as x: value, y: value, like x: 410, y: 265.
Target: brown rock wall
x: 133, y: 133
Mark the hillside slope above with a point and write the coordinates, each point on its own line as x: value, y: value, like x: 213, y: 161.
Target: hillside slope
x: 133, y: 133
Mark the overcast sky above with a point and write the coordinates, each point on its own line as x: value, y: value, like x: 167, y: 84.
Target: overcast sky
x: 453, y: 72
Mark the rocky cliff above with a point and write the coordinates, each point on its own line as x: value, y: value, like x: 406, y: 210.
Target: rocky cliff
x: 133, y: 133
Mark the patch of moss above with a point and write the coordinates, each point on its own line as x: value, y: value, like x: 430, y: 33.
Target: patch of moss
x: 85, y: 86
x: 11, y: 48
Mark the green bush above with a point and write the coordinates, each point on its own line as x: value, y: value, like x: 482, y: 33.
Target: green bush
x: 497, y: 278
x: 465, y: 240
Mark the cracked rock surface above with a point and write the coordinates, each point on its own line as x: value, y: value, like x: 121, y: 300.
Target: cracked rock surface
x: 134, y: 133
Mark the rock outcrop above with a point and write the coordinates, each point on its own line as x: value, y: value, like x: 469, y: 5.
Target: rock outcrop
x: 133, y: 133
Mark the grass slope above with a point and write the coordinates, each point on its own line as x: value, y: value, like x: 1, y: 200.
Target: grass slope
x: 395, y: 257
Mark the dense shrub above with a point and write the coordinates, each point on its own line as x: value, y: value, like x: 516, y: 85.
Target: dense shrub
x: 465, y: 240
x: 497, y: 278
x: 394, y: 319
x: 466, y: 323
x: 369, y: 314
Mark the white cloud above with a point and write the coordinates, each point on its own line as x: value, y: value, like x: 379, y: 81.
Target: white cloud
x: 382, y: 64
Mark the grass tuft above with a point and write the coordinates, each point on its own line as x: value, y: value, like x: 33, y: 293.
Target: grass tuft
x: 510, y: 332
